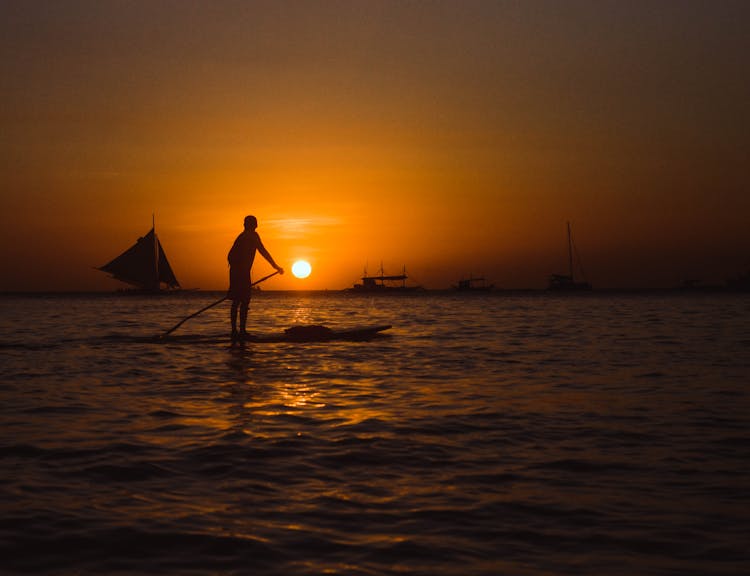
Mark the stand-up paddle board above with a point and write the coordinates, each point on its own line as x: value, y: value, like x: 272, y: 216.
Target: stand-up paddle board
x: 311, y: 333
x: 317, y: 333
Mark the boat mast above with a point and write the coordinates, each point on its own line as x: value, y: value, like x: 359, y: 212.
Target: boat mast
x: 570, y: 253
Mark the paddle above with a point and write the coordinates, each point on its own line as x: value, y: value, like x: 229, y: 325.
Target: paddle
x: 219, y: 301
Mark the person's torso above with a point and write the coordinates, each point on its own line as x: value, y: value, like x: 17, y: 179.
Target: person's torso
x: 243, y: 250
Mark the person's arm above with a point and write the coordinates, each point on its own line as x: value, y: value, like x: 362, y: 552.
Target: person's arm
x: 267, y: 255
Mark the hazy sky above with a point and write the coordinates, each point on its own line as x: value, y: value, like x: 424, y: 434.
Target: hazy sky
x: 450, y: 137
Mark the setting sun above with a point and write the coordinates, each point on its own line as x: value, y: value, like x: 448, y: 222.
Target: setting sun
x: 301, y: 269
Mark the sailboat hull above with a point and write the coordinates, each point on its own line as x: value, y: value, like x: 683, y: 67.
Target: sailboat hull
x: 561, y: 283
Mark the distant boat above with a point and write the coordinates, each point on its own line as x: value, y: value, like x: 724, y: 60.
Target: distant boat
x: 472, y: 284
x: 144, y: 266
x: 740, y: 283
x: 567, y: 282
x: 383, y: 283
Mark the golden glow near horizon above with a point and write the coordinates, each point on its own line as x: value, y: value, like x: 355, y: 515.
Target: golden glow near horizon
x: 301, y: 269
x: 452, y: 138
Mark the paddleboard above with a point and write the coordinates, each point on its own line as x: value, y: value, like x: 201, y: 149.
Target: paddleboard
x: 295, y: 334
x: 316, y: 333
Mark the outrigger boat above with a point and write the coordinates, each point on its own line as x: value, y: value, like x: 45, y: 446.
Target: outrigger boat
x: 567, y: 282
x: 144, y: 266
x: 383, y: 283
x: 472, y: 284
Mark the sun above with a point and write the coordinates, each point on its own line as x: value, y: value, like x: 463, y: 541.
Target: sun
x: 301, y: 269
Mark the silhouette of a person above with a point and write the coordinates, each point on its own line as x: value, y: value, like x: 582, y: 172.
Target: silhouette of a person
x: 241, y: 257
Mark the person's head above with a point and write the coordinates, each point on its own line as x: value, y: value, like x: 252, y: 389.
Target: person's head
x: 251, y: 222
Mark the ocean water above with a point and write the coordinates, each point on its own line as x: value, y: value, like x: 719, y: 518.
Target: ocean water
x: 493, y: 434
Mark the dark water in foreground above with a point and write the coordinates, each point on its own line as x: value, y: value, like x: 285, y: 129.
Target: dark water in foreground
x: 491, y: 435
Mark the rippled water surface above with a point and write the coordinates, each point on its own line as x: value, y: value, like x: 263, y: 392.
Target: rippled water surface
x: 498, y: 434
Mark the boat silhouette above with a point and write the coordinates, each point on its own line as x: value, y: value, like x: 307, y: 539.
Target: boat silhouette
x: 472, y: 284
x: 144, y: 266
x: 384, y: 283
x: 567, y: 282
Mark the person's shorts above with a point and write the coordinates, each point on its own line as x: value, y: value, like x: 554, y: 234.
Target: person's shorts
x: 239, y: 284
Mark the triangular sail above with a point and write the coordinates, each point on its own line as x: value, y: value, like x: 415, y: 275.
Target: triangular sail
x: 144, y: 265
x: 166, y: 274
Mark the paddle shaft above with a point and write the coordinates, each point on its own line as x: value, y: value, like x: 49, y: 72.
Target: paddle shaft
x: 219, y: 301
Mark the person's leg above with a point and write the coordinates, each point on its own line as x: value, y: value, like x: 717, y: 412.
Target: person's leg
x: 233, y: 317
x: 243, y: 316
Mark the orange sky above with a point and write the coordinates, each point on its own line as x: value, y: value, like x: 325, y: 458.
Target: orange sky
x: 449, y: 137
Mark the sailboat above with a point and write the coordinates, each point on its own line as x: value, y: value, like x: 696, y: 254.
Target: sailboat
x: 567, y: 282
x: 144, y: 265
